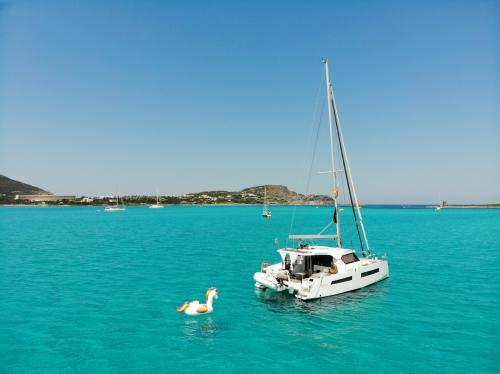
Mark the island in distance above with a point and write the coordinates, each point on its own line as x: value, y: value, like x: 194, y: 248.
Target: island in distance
x: 13, y: 192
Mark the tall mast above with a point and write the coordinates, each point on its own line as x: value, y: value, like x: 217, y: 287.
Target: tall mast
x: 331, y: 103
x: 350, y: 183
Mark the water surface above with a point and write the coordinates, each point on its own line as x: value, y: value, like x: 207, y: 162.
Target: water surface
x: 86, y: 291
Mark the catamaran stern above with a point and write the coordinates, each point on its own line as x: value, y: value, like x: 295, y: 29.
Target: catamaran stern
x: 263, y: 280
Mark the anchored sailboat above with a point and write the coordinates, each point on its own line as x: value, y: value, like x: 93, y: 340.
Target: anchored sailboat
x: 266, y: 213
x: 157, y: 205
x: 117, y: 207
x: 313, y: 271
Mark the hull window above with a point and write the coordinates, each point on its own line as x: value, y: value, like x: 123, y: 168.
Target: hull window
x: 366, y: 273
x: 342, y: 280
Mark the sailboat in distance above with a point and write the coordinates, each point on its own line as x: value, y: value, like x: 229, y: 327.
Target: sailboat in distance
x: 266, y: 213
x: 117, y: 207
x: 157, y: 205
x: 310, y: 270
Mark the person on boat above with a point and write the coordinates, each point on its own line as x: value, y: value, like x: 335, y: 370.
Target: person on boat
x: 333, y: 268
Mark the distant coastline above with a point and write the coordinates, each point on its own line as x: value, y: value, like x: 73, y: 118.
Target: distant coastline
x: 15, y: 193
x: 470, y: 206
x: 276, y: 195
x: 394, y: 206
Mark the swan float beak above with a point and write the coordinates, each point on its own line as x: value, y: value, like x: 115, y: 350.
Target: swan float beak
x: 181, y: 309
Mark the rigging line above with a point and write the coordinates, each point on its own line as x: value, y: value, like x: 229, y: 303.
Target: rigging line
x: 326, y: 227
x: 315, y: 146
x: 313, y: 124
x: 346, y: 203
x: 348, y: 171
x: 347, y: 180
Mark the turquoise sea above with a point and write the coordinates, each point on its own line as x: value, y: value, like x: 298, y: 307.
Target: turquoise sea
x: 92, y: 292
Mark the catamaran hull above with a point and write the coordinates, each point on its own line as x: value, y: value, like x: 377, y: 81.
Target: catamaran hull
x: 336, y: 284
x: 323, y: 285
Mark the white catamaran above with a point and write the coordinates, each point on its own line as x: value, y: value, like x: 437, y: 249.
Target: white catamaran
x: 266, y: 213
x: 313, y: 271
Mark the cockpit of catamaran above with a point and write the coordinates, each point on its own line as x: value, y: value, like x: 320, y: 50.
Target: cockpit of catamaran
x: 304, y: 266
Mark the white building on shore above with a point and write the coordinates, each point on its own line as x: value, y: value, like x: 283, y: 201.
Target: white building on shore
x: 45, y: 197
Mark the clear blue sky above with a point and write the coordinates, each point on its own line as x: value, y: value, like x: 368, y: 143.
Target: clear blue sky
x: 184, y: 96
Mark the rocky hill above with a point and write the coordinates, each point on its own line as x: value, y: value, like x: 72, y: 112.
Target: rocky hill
x: 12, y: 187
x: 276, y: 194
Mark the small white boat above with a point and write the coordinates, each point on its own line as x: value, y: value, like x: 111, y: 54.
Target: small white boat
x: 312, y: 271
x: 266, y: 213
x: 115, y: 208
x: 157, y: 205
x: 442, y: 205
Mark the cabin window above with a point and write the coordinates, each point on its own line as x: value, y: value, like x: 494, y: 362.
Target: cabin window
x: 370, y: 272
x: 287, y: 262
x: 300, y: 265
x: 342, y: 280
x: 349, y: 258
x: 322, y: 260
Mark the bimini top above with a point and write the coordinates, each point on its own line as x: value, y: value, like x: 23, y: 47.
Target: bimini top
x: 315, y: 250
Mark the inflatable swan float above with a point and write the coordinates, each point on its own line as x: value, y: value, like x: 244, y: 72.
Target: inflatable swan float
x: 193, y: 308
